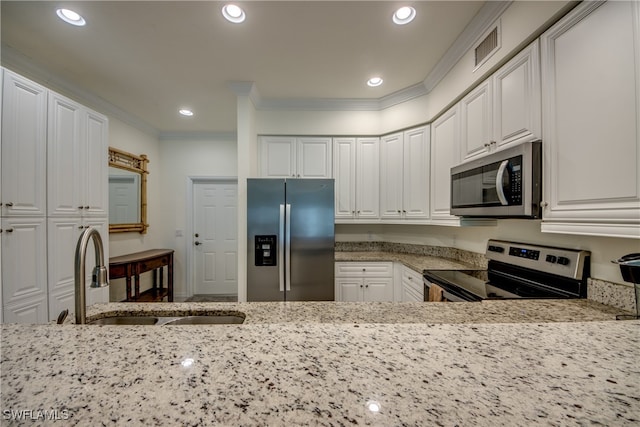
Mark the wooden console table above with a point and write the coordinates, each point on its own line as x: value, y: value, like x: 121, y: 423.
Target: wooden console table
x: 132, y: 265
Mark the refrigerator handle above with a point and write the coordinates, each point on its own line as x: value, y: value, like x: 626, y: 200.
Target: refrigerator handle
x: 281, y: 250
x: 287, y: 254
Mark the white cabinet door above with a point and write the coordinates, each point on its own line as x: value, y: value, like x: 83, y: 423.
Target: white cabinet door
x: 415, y: 194
x: 344, y: 170
x: 379, y: 289
x: 24, y: 145
x: 314, y: 157
x: 516, y: 98
x: 277, y: 156
x: 65, y: 152
x: 24, y: 260
x: 391, y: 175
x: 96, y: 182
x: 291, y: 157
x: 445, y: 149
x: 368, y: 178
x: 349, y: 289
x: 30, y: 311
x: 591, y: 114
x: 477, y: 121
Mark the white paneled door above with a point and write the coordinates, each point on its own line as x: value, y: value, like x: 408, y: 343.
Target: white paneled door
x: 214, y: 237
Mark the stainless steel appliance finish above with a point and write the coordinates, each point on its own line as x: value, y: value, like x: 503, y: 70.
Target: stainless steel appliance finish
x: 517, y: 270
x: 290, y: 230
x: 504, y: 184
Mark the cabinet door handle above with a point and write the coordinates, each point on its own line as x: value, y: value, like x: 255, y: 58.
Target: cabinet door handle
x: 9, y: 230
x: 197, y: 243
x: 8, y: 204
x: 87, y: 207
x: 486, y: 145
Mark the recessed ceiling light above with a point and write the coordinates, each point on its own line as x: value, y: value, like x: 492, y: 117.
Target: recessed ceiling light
x: 185, y: 112
x: 374, y: 81
x: 71, y: 17
x: 404, y: 15
x: 233, y: 13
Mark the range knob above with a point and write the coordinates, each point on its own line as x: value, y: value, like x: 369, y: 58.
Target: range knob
x: 563, y: 260
x: 552, y: 259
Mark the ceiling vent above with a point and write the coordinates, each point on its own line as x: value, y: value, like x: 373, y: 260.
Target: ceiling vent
x: 487, y: 47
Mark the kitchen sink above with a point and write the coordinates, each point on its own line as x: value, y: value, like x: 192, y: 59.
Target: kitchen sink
x: 125, y: 320
x: 205, y: 319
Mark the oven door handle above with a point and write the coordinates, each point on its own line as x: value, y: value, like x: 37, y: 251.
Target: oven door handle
x: 499, y: 188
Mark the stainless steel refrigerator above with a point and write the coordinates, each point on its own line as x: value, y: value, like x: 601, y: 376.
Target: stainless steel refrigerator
x: 290, y: 228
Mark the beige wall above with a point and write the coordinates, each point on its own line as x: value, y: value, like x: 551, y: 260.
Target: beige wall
x: 128, y: 138
x: 180, y: 160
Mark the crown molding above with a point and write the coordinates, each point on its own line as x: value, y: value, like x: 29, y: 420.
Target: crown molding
x: 197, y: 136
x: 486, y: 16
x: 16, y: 61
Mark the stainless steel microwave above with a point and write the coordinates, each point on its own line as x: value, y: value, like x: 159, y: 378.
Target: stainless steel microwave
x: 505, y: 184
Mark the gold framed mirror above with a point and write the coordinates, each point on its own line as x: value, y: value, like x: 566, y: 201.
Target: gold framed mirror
x: 127, y: 192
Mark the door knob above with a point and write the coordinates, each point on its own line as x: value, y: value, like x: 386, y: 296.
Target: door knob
x: 197, y: 243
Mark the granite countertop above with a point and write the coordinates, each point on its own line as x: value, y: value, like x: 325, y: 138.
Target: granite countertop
x: 416, y: 262
x: 327, y: 364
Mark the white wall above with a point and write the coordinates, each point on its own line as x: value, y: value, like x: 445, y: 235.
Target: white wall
x: 128, y: 138
x: 179, y: 160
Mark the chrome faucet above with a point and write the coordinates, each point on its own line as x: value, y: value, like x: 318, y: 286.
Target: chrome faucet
x: 99, y: 276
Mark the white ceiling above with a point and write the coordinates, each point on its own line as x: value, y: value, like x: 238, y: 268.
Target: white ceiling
x: 151, y: 58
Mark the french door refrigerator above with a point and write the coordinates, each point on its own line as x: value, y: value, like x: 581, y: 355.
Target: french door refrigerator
x: 290, y: 229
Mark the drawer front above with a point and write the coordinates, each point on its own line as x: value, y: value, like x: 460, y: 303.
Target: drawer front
x: 411, y: 295
x: 364, y: 269
x: 412, y: 280
x: 152, y: 264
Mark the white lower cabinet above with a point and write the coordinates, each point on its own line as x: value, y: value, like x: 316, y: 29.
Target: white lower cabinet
x: 24, y: 270
x: 411, y: 287
x: 364, y: 281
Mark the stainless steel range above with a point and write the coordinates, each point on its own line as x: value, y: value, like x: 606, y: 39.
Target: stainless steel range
x: 515, y: 271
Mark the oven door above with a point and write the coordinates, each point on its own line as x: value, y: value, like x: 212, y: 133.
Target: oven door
x: 450, y: 293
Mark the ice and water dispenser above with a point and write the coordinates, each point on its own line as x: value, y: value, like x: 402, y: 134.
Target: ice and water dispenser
x: 266, y: 250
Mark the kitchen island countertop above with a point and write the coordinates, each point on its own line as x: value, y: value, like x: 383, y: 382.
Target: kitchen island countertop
x: 333, y: 364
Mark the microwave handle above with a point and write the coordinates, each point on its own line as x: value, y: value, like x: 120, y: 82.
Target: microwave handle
x: 499, y: 188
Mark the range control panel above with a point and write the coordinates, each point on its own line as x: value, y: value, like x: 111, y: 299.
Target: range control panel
x: 563, y: 262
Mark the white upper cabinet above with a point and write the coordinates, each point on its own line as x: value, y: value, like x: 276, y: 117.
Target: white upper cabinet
x: 505, y: 108
x: 445, y: 153
x: 77, y: 154
x: 591, y: 112
x: 391, y: 167
x: 24, y: 145
x: 476, y: 113
x: 291, y: 157
x: 367, y: 178
x: 404, y: 175
x: 417, y: 150
x: 516, y: 99
x: 314, y: 157
x: 356, y: 172
x: 344, y: 172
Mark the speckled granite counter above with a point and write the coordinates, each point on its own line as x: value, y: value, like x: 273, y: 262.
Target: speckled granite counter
x: 416, y: 262
x: 309, y: 364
